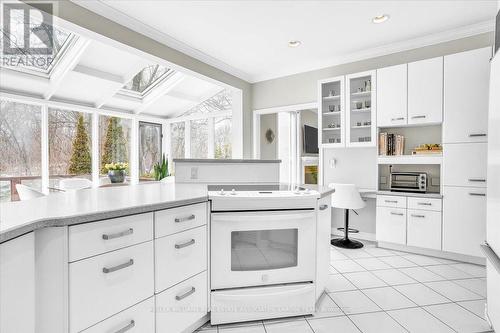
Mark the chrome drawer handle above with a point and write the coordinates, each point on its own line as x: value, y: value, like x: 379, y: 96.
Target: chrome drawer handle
x: 116, y: 268
x: 418, y: 117
x: 118, y: 234
x: 477, y: 194
x: 186, y: 294
x: 400, y: 118
x: 187, y: 218
x: 420, y: 216
x: 478, y: 180
x: 475, y: 135
x: 323, y: 207
x: 180, y: 246
x: 126, y: 328
x: 424, y: 203
x: 391, y: 201
x: 398, y: 214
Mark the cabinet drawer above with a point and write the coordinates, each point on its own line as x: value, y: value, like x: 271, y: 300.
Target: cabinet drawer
x: 179, y: 307
x: 106, y: 284
x: 170, y: 221
x: 138, y: 319
x: 391, y: 225
x: 424, y: 229
x: 425, y: 204
x: 90, y: 239
x: 464, y: 220
x: 180, y: 256
x: 465, y: 164
x: 391, y: 201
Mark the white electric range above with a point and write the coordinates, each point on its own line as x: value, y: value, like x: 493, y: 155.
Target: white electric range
x: 263, y: 243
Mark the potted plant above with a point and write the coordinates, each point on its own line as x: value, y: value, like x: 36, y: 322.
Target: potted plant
x: 116, y: 171
x: 160, y: 169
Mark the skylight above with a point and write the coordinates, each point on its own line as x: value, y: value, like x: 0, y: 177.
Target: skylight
x: 43, y: 35
x: 147, y: 78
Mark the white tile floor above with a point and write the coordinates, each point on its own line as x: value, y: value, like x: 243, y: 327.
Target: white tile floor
x: 378, y: 290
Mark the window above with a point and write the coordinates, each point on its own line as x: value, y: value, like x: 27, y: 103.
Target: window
x: 114, y: 141
x: 147, y: 78
x: 70, y: 145
x: 199, y: 138
x: 149, y: 149
x: 20, y: 147
x: 222, y: 140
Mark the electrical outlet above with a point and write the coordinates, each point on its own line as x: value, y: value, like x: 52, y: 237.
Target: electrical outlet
x: 383, y: 180
x: 194, y: 172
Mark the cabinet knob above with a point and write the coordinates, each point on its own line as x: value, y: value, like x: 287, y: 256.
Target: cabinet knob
x: 418, y: 117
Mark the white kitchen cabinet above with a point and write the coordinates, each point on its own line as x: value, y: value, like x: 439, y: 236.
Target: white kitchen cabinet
x: 17, y: 285
x: 425, y: 91
x: 395, y: 201
x: 180, y: 256
x: 391, y: 225
x: 466, y: 91
x: 424, y: 229
x: 331, y: 113
x: 323, y: 232
x: 425, y: 204
x: 392, y: 96
x: 183, y: 305
x: 465, y: 164
x: 464, y: 220
x: 173, y: 220
x: 138, y: 319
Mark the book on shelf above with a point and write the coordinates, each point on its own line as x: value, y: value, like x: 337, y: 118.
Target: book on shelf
x: 391, y: 144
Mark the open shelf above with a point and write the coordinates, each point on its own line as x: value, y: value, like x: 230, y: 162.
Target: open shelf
x: 333, y: 113
x: 365, y: 110
x: 362, y: 126
x: 362, y: 93
x: 331, y: 98
x: 331, y: 129
x: 411, y: 159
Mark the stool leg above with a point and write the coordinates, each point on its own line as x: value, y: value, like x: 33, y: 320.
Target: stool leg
x: 345, y: 242
x: 346, y: 224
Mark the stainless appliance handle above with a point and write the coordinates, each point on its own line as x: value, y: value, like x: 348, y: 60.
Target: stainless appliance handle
x: 118, y: 234
x: 323, y: 207
x: 477, y: 194
x: 180, y: 246
x: 478, y: 180
x: 475, y: 135
x: 420, y: 216
x: 391, y: 201
x: 418, y: 117
x: 186, y: 294
x: 398, y: 214
x: 186, y: 218
x: 400, y: 118
x: 424, y: 203
x: 107, y: 270
x: 492, y: 257
x: 126, y: 328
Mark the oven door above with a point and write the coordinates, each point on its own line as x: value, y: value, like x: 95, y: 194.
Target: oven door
x: 262, y: 248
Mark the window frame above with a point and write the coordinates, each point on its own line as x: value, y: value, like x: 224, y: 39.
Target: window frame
x: 162, y: 139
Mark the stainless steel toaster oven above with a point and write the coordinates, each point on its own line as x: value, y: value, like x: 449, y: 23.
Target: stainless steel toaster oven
x: 408, y: 181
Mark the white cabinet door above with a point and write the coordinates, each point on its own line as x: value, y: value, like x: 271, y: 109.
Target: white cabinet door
x: 395, y: 201
x: 323, y: 233
x: 424, y: 229
x: 391, y: 225
x: 465, y: 164
x: 173, y: 220
x: 466, y: 82
x: 425, y: 91
x: 17, y: 285
x: 464, y: 220
x: 392, y: 96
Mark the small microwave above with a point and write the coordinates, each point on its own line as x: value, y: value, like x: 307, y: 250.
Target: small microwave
x: 408, y: 182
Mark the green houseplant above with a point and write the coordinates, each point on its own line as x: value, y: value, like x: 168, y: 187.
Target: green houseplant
x: 116, y: 171
x: 160, y: 169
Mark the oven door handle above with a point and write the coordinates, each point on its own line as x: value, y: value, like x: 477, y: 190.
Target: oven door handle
x: 270, y: 294
x: 284, y: 217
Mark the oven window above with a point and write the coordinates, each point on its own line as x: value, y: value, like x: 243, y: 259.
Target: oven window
x: 256, y: 250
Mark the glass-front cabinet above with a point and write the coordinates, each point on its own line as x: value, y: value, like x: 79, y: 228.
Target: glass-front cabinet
x: 361, y: 109
x: 331, y: 115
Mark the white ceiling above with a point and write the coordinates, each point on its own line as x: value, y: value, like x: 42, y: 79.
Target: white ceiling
x: 249, y: 38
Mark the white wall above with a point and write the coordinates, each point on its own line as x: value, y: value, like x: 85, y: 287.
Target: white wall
x: 268, y: 151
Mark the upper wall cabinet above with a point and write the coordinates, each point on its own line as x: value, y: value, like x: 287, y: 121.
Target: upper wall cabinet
x: 425, y: 91
x: 392, y: 96
x: 361, y: 109
x: 331, y: 115
x: 466, y: 80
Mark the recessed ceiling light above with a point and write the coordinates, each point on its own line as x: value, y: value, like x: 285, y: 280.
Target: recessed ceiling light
x: 294, y: 43
x: 380, y: 18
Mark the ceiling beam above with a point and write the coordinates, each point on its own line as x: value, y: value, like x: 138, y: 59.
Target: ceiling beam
x: 161, y: 90
x: 98, y: 74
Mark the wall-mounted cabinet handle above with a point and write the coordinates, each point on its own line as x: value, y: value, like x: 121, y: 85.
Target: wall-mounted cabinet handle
x: 419, y: 216
x: 418, y: 117
x: 118, y: 234
x: 117, y: 268
x: 391, y: 201
x: 477, y: 180
x: 475, y: 135
x: 186, y: 294
x: 398, y: 214
x: 400, y: 118
x: 477, y: 194
x: 186, y: 218
x: 424, y: 203
x: 180, y: 246
x: 323, y: 207
x: 129, y: 326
